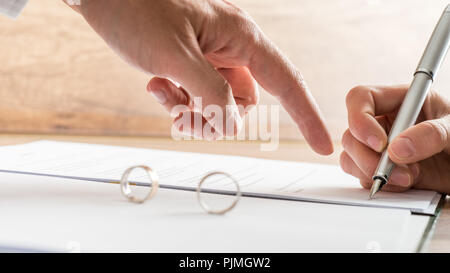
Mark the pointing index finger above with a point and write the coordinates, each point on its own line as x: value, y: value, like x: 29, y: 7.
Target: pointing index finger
x: 276, y: 74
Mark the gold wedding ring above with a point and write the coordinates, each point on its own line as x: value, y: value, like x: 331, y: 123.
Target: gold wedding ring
x: 126, y: 189
x: 154, y: 185
x: 218, y: 211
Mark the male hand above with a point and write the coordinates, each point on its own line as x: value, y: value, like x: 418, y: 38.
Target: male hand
x: 421, y: 153
x: 213, y: 50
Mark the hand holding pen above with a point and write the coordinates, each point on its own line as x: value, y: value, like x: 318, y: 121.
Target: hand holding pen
x: 400, y: 145
x: 421, y: 153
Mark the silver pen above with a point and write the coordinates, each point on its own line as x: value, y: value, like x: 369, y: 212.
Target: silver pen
x: 412, y: 104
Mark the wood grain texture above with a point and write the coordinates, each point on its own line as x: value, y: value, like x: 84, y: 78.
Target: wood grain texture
x: 292, y: 150
x: 58, y: 76
x: 288, y: 150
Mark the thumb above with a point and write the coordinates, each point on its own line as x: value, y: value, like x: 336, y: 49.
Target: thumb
x: 168, y: 94
x: 421, y: 141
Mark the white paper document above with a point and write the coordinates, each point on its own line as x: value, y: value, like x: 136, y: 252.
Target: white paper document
x: 42, y: 213
x: 181, y: 170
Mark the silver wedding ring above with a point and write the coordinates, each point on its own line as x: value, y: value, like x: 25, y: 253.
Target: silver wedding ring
x: 218, y: 211
x: 126, y: 189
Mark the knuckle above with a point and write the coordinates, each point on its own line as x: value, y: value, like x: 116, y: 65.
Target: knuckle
x: 355, y: 93
x: 358, y: 128
x: 239, y: 14
x: 351, y: 94
x: 241, y: 20
x: 346, y: 138
x: 343, y: 161
x: 439, y: 106
x: 439, y: 133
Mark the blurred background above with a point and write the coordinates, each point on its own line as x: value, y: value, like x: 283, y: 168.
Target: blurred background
x: 58, y: 76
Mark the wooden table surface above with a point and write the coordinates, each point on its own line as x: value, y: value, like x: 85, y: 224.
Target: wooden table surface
x: 439, y: 241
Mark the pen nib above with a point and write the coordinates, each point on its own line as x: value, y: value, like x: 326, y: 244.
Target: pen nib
x: 375, y: 188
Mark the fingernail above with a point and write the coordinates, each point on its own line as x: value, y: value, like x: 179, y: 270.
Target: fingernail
x: 400, y: 177
x: 159, y: 95
x: 403, y: 148
x: 375, y: 143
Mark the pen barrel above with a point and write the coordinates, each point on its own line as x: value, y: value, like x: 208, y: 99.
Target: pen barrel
x: 412, y: 105
x: 406, y: 117
x: 428, y: 66
x: 437, y: 46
